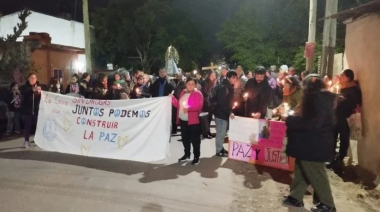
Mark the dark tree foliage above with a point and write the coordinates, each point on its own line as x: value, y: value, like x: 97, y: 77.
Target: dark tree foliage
x: 138, y: 33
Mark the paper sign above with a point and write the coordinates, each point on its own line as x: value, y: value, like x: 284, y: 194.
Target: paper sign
x: 268, y: 150
x: 245, y: 130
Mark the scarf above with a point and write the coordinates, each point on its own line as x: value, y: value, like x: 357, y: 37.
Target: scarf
x: 16, y: 100
x: 119, y: 82
x: 74, y: 88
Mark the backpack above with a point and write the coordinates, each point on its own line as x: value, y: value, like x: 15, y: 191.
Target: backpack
x: 213, y: 95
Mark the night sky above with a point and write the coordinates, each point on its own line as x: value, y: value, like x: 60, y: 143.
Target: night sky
x: 208, y: 14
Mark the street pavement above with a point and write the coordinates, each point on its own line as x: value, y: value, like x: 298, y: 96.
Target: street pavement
x: 34, y: 180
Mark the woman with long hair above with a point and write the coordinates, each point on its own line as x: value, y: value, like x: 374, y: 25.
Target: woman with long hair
x: 310, y: 134
x: 56, y: 86
x: 292, y: 94
x: 101, y: 90
x: 208, y: 84
x: 31, y: 97
x: 189, y: 107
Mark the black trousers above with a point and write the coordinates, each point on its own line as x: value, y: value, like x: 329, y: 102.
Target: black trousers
x: 190, y: 134
x: 342, y: 130
x: 174, y: 119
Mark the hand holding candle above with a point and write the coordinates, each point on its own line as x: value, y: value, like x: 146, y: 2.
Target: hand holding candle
x: 185, y: 107
x: 235, y: 105
x: 245, y: 96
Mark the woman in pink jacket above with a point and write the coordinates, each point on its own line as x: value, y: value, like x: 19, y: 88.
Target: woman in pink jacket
x: 189, y: 107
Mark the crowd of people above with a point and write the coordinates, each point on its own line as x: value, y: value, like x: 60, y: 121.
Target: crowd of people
x: 321, y: 107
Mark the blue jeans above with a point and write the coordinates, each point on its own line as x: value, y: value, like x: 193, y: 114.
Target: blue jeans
x: 221, y: 131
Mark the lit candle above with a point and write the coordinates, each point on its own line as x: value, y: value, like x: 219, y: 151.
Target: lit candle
x: 185, y: 105
x: 338, y: 89
x: 137, y: 90
x: 235, y: 104
x: 286, y: 109
x: 253, y: 114
x: 283, y: 82
x: 118, y: 85
x: 245, y: 95
x: 274, y: 111
x: 330, y: 83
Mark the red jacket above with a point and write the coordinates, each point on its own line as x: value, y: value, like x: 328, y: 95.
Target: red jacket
x: 195, y: 104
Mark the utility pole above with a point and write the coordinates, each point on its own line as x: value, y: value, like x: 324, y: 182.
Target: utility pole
x: 312, y: 30
x: 87, y: 36
x: 329, y: 39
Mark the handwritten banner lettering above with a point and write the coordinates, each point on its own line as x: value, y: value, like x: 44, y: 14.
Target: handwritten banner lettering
x: 267, y: 149
x: 102, y: 128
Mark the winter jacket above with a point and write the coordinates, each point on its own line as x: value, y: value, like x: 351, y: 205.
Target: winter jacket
x: 258, y: 97
x: 154, y: 89
x: 84, y: 88
x: 30, y: 102
x: 116, y: 92
x: 195, y: 104
x: 101, y: 92
x: 312, y: 140
x: 144, y: 92
x: 223, y: 107
x: 352, y: 98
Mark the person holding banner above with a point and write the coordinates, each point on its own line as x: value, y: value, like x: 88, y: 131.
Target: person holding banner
x: 189, y: 107
x: 101, y: 88
x: 310, y: 134
x: 31, y: 97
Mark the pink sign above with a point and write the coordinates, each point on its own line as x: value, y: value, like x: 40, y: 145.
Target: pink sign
x: 272, y: 133
x: 269, y: 149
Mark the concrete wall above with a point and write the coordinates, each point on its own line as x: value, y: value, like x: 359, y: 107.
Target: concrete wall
x: 362, y: 56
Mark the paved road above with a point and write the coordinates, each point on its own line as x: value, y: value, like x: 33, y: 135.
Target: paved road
x: 38, y: 181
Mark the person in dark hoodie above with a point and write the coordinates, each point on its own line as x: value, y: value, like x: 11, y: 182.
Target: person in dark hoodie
x: 223, y: 110
x: 31, y: 97
x: 84, y: 87
x: 101, y: 90
x: 310, y: 137
x: 162, y: 86
x: 350, y: 99
x: 14, y: 104
x: 56, y: 86
x: 257, y: 93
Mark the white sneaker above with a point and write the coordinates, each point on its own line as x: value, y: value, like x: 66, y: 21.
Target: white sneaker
x: 26, y: 144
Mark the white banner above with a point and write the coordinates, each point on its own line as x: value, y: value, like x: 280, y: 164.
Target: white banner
x: 136, y: 130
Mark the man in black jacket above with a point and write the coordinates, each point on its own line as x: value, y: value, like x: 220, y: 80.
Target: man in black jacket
x: 163, y: 86
x: 223, y: 109
x: 350, y: 99
x: 257, y: 94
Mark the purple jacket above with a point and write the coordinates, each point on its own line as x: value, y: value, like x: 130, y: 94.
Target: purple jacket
x: 195, y: 104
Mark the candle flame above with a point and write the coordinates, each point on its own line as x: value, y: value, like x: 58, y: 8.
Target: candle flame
x: 274, y: 111
x: 235, y: 104
x: 245, y: 95
x: 253, y: 114
x: 330, y: 83
x: 286, y: 104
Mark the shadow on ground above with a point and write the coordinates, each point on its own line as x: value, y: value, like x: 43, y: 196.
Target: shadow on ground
x: 152, y: 207
x: 254, y: 174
